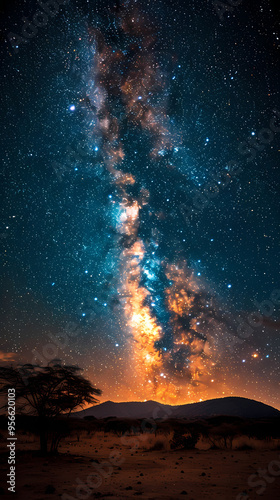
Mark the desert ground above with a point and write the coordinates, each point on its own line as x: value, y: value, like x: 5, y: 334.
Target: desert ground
x: 137, y: 468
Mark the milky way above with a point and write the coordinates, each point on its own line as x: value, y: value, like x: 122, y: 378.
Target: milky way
x: 141, y: 197
x: 174, y: 328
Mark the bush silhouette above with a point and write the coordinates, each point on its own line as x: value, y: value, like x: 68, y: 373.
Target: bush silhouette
x: 182, y: 441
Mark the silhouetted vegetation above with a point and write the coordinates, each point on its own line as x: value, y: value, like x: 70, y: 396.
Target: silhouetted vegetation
x: 50, y: 393
x: 182, y: 441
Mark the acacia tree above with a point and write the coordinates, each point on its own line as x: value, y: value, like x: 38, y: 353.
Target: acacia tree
x: 48, y: 392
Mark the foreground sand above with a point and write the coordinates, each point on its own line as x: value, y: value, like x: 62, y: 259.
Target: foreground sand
x: 196, y: 475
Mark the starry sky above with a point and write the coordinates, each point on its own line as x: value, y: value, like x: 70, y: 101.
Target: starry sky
x: 140, y: 205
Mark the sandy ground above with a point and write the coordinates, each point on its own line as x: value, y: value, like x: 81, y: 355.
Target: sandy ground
x: 196, y: 475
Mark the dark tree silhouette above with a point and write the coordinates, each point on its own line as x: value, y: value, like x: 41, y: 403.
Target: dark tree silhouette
x: 48, y: 392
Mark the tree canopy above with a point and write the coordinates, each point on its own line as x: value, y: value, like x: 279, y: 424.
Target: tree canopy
x: 47, y: 391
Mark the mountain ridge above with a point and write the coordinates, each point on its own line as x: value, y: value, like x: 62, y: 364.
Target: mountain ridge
x: 230, y: 406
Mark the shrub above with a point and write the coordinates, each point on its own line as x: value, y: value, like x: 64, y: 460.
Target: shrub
x: 182, y: 441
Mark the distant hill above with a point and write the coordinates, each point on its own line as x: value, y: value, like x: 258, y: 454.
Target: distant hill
x: 232, y: 406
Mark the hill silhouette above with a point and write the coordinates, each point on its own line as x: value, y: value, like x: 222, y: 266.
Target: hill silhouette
x: 230, y: 406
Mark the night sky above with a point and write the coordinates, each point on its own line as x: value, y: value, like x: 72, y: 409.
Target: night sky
x: 140, y: 186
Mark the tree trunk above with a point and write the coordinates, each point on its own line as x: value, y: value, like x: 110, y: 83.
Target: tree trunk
x: 43, y: 442
x: 43, y: 430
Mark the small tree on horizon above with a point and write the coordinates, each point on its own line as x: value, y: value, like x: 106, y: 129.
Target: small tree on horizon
x: 47, y: 392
